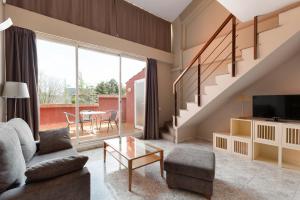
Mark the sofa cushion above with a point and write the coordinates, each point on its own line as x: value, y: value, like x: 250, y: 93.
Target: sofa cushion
x: 191, y: 162
x: 55, y: 155
x: 54, y: 140
x: 54, y: 168
x: 25, y: 136
x: 12, y: 163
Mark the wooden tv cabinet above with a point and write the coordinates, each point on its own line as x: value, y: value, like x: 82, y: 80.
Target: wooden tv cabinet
x: 260, y: 140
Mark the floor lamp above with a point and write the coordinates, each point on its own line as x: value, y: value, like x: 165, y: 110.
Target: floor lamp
x: 15, y: 90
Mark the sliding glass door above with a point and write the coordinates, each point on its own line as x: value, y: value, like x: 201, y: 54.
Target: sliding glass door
x: 98, y: 86
x: 96, y: 94
x: 132, y: 76
x: 139, y: 103
x: 57, y: 85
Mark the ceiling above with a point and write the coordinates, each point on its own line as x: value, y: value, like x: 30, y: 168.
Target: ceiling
x: 165, y: 9
x: 246, y: 10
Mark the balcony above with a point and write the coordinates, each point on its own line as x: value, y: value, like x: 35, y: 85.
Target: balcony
x: 52, y: 116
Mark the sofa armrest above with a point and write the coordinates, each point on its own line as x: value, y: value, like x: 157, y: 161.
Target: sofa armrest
x: 75, y: 186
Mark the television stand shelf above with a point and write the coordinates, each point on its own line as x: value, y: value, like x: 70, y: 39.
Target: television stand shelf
x: 264, y: 141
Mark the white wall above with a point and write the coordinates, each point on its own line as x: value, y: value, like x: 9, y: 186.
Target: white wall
x: 164, y: 92
x: 283, y: 80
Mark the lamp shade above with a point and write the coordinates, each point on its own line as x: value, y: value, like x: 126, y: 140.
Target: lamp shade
x: 6, y: 24
x: 15, y: 90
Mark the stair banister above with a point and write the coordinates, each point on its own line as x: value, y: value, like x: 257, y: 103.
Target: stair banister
x: 233, y: 46
x: 198, y: 57
x: 255, y: 53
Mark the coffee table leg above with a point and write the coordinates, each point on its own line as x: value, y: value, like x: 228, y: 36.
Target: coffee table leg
x: 129, y: 175
x: 104, y: 152
x: 161, y: 163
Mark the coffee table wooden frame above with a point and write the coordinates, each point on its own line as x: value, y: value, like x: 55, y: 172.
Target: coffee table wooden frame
x: 135, y: 163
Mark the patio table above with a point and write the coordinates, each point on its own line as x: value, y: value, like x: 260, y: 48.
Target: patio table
x: 93, y: 113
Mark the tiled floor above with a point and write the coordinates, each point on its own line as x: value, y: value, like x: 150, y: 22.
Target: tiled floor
x: 94, y: 132
x: 236, y: 179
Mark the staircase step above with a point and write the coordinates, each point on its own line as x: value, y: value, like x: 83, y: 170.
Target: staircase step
x: 168, y: 136
x: 163, y: 130
x: 172, y: 131
x: 274, y: 38
x: 242, y: 67
x: 248, y: 53
x: 204, y: 99
x: 223, y: 79
x: 191, y: 105
x: 212, y: 89
x: 168, y: 124
x: 275, y: 34
x: 289, y: 16
x: 183, y: 112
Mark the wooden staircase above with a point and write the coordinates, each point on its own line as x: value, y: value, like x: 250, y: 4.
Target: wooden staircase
x: 270, y: 48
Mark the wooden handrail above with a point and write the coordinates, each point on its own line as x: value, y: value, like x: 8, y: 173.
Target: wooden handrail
x: 202, y: 80
x: 198, y: 57
x: 202, y: 50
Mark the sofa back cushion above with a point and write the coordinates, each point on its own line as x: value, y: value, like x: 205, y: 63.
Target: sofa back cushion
x: 12, y: 163
x: 28, y: 144
x: 54, y: 140
x: 54, y: 168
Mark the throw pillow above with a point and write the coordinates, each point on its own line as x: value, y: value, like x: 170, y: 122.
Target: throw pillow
x: 12, y: 163
x: 54, y: 168
x: 54, y: 140
x: 28, y: 144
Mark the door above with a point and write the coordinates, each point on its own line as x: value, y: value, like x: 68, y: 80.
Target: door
x: 139, y: 103
x: 98, y: 94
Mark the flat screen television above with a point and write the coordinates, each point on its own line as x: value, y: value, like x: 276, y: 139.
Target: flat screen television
x: 285, y: 107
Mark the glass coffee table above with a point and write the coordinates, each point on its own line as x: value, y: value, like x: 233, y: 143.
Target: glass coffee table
x: 133, y: 153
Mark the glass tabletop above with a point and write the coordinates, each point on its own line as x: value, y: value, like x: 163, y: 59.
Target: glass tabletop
x: 131, y: 147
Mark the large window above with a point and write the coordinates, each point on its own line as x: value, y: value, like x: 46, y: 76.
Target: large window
x: 57, y: 82
x: 101, y: 96
x: 98, y: 76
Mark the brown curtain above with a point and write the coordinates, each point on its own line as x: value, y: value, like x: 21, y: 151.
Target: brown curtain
x: 139, y: 26
x: 114, y: 17
x: 21, y: 66
x: 151, y: 129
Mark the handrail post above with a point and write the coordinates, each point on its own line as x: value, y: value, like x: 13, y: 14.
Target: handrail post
x: 199, y: 81
x: 233, y: 45
x: 255, y: 38
x: 175, y: 105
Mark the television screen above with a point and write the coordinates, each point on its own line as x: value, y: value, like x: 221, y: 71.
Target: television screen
x: 280, y: 106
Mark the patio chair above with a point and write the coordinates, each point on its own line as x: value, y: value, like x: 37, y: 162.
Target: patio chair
x: 110, y: 116
x: 82, y: 120
x: 68, y: 119
x: 86, y: 119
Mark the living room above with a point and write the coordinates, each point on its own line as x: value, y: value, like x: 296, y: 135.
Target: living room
x: 127, y: 99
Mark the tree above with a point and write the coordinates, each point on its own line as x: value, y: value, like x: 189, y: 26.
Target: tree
x: 101, y: 88
x: 51, y: 90
x: 108, y: 87
x: 87, y: 94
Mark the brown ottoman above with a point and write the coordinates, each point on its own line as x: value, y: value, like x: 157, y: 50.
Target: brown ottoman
x: 191, y: 169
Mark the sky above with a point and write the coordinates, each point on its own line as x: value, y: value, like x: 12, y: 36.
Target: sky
x: 58, y: 61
